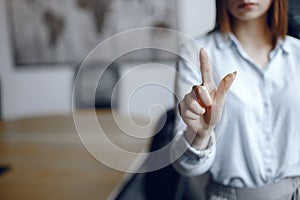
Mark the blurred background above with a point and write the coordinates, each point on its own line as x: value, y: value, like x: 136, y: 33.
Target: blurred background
x: 43, y: 44
x: 31, y: 85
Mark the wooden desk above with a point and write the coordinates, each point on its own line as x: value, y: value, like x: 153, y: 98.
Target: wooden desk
x: 49, y: 161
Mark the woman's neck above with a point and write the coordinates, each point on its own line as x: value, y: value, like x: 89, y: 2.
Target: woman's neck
x: 253, y: 33
x: 255, y: 38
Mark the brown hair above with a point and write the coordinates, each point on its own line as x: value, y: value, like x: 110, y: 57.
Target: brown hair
x: 277, y: 18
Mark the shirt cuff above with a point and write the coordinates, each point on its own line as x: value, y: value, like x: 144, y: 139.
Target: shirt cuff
x: 193, y: 154
x: 190, y: 161
x: 200, y: 153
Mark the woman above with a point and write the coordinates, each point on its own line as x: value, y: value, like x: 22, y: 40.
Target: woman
x: 257, y: 155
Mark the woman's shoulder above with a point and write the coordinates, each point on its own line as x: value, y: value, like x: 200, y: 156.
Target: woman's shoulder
x: 206, y: 41
x: 208, y: 38
x: 292, y: 44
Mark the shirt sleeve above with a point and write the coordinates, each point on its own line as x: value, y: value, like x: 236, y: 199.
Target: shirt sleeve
x: 190, y: 161
x: 187, y: 160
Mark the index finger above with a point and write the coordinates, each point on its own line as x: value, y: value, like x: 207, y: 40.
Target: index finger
x: 205, y: 69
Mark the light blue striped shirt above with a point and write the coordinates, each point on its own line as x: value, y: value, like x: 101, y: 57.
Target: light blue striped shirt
x: 258, y: 139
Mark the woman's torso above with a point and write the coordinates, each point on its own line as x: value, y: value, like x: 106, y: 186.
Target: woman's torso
x: 259, y: 135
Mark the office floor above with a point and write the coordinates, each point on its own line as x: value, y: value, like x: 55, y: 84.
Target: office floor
x: 48, y: 161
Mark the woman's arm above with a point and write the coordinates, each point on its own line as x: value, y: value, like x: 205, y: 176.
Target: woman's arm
x: 200, y: 109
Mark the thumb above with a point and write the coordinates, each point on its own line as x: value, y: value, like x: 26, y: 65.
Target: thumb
x: 223, y: 88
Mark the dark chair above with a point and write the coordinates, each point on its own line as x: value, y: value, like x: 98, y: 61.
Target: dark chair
x: 165, y: 183
x: 160, y: 184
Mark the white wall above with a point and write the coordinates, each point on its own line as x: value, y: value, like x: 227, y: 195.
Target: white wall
x: 44, y: 91
x: 196, y: 16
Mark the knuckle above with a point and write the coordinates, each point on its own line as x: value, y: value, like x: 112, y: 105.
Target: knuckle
x: 192, y: 105
x: 202, y: 88
x: 202, y: 111
x: 188, y: 97
x: 185, y: 98
x: 185, y: 113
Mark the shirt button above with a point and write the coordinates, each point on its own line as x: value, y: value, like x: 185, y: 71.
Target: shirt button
x: 269, y: 152
x: 268, y: 162
x: 269, y: 170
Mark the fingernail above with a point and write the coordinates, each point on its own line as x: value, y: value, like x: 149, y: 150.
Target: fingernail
x: 234, y: 73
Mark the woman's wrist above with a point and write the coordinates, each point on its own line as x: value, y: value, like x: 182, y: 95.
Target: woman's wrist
x: 198, y: 140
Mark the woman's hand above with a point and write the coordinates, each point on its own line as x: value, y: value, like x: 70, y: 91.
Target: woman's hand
x: 201, y: 109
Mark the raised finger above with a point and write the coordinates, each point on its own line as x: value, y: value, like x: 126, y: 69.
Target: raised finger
x: 223, y: 88
x: 205, y: 69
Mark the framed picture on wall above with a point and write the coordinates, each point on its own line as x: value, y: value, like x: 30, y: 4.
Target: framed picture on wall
x: 54, y: 32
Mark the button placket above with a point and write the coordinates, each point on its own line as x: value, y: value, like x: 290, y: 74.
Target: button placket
x: 267, y: 130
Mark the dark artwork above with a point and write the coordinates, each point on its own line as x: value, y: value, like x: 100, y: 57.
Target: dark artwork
x: 98, y: 8
x: 55, y: 27
x: 53, y: 32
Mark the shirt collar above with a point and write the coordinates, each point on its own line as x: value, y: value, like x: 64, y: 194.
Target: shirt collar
x: 223, y: 41
x: 228, y: 40
x: 284, y: 45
